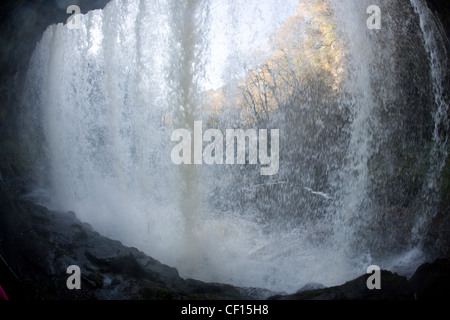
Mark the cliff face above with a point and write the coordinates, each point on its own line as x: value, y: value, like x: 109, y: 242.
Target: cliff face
x: 38, y: 245
x: 442, y: 10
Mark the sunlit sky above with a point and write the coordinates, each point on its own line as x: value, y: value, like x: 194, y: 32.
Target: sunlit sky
x: 239, y: 35
x: 239, y: 29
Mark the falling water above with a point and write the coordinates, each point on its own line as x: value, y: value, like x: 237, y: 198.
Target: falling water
x: 437, y: 58
x: 103, y: 101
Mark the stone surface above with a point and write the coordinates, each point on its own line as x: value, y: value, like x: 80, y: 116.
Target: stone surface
x: 394, y: 287
x: 431, y: 281
x: 38, y: 245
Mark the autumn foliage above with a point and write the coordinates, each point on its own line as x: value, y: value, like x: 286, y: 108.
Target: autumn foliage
x: 306, y: 53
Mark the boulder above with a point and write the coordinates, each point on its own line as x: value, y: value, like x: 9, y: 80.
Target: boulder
x: 431, y: 281
x: 393, y: 287
x: 38, y: 245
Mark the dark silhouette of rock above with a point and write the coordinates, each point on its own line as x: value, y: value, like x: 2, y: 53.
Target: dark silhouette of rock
x: 310, y: 287
x: 431, y: 281
x: 37, y: 245
x: 442, y: 10
x: 393, y: 287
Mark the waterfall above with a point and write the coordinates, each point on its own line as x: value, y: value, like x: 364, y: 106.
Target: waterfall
x: 359, y: 158
x: 436, y: 49
x: 438, y: 61
x: 185, y: 66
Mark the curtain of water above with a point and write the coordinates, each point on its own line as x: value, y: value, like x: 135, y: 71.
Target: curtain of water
x: 103, y: 101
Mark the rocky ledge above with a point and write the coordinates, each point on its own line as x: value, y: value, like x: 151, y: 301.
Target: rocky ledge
x: 37, y: 245
x: 430, y: 282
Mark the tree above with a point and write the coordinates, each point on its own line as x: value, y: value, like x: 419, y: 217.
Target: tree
x: 307, y: 55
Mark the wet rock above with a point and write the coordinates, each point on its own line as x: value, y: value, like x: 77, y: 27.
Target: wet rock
x: 310, y: 287
x: 394, y: 287
x: 38, y: 245
x: 431, y: 281
x: 442, y: 10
